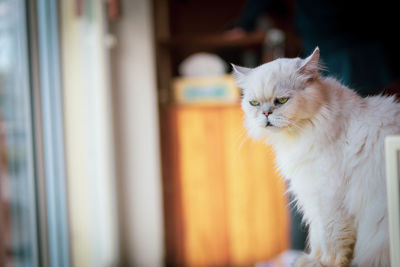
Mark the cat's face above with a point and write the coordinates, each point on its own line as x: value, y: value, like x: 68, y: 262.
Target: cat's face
x: 281, y: 95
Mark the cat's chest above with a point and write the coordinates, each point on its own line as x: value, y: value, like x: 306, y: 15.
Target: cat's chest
x: 303, y: 162
x: 293, y: 165
x: 311, y: 174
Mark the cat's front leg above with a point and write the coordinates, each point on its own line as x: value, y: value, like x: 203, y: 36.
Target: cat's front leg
x: 308, y: 261
x: 331, y: 241
x: 338, y: 241
x: 315, y: 237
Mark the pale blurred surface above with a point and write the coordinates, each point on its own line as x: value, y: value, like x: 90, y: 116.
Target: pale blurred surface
x: 88, y: 137
x: 134, y: 94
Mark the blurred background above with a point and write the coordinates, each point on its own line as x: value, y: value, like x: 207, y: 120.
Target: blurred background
x: 121, y: 137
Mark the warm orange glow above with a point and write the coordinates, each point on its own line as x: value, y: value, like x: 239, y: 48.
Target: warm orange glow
x: 233, y: 205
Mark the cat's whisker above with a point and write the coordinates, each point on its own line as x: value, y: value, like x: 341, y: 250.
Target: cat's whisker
x: 237, y: 145
x: 294, y: 124
x: 291, y: 123
x: 246, y: 137
x: 240, y: 136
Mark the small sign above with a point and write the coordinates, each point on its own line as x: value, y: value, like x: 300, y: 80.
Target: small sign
x: 206, y: 90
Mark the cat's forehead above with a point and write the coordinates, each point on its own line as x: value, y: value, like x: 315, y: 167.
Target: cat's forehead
x: 272, y: 79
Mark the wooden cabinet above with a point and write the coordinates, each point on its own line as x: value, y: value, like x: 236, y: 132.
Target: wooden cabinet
x: 224, y: 202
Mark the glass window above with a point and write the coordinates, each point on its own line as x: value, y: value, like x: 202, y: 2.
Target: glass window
x: 18, y: 227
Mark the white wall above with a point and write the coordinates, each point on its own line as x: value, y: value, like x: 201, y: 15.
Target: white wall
x: 137, y: 136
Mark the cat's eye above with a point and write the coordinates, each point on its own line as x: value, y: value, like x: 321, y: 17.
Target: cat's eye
x: 281, y: 100
x: 254, y: 103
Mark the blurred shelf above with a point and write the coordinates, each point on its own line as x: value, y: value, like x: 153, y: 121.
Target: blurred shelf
x: 201, y: 106
x: 214, y: 41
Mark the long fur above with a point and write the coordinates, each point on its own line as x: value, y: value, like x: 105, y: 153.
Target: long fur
x: 329, y: 145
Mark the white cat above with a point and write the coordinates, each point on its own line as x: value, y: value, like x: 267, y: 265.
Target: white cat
x: 329, y: 145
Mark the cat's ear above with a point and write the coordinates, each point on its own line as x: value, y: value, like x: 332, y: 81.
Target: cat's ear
x: 310, y: 65
x: 239, y: 72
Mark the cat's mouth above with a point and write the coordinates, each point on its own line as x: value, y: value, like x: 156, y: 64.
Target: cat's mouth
x: 272, y: 125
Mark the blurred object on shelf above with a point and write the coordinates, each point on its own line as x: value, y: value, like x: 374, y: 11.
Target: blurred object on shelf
x: 113, y: 9
x: 274, y: 45
x: 250, y: 58
x: 205, y: 90
x: 204, y: 81
x: 202, y: 65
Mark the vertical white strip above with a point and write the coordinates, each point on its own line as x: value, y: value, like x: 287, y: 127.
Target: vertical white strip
x: 88, y: 127
x: 135, y: 93
x: 392, y: 148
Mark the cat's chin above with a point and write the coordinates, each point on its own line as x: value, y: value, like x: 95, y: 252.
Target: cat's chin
x: 262, y: 132
x: 258, y: 133
x: 274, y: 130
x: 273, y: 127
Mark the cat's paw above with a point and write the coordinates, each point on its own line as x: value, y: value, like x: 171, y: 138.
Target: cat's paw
x: 307, y: 261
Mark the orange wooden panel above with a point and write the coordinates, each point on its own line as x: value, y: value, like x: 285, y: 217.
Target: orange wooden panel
x: 258, y: 218
x: 228, y: 206
x: 203, y: 187
x: 173, y: 221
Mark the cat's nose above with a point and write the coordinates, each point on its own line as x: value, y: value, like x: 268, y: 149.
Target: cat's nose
x: 267, y: 113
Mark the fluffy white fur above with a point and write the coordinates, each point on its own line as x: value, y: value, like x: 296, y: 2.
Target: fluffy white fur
x: 329, y: 144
